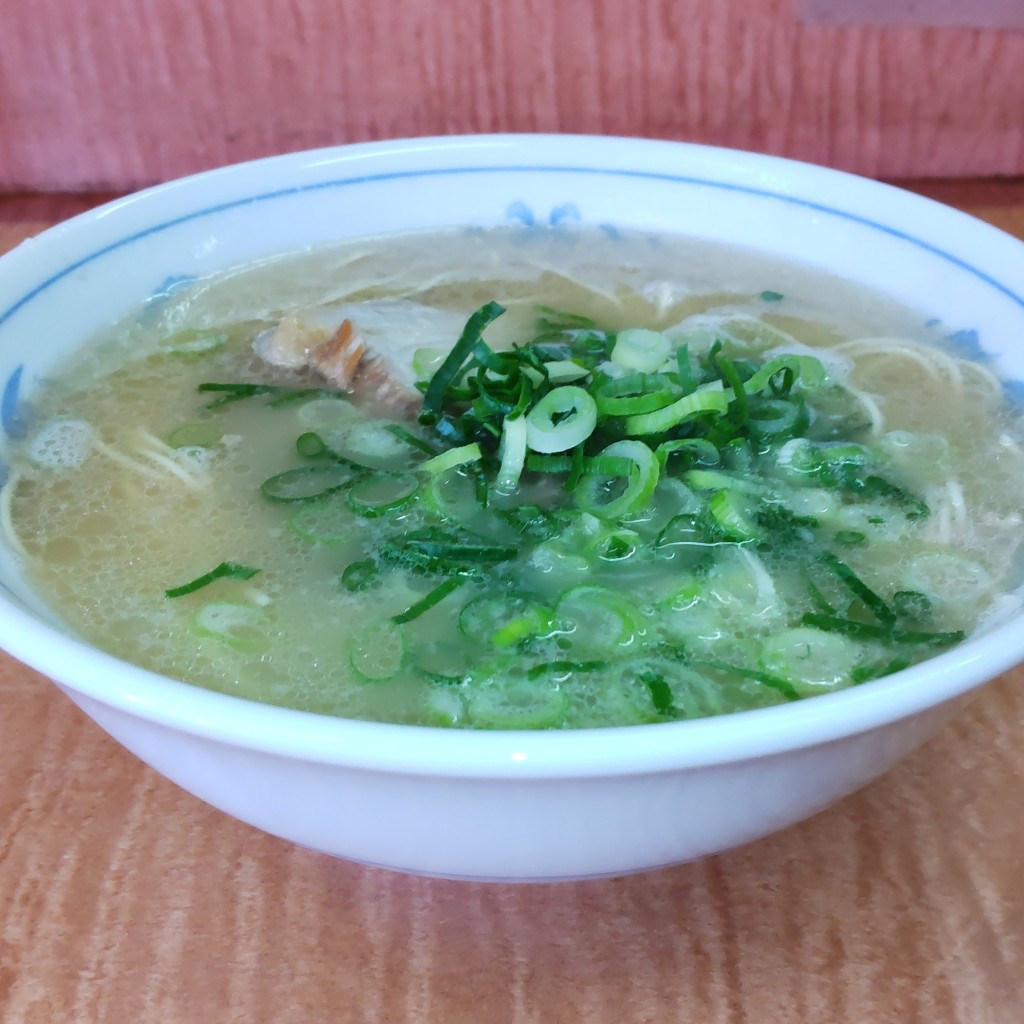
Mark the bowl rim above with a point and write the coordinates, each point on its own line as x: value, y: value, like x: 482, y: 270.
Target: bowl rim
x: 93, y: 677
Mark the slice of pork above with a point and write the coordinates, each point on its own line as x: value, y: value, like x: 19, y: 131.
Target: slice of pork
x: 365, y: 348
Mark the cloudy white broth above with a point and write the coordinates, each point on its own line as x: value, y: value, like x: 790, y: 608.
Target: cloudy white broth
x: 521, y: 478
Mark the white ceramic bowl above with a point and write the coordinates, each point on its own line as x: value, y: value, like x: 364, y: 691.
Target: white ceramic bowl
x: 504, y: 805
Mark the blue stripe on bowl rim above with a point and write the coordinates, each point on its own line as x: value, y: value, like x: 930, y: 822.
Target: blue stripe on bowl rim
x: 512, y: 169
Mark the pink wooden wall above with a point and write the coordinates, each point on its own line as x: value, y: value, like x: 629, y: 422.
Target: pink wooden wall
x: 117, y: 93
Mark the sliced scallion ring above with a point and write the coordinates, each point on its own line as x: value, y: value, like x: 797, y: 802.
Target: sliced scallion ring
x: 710, y: 399
x: 367, y: 443
x: 641, y: 349
x: 614, y: 496
x: 637, y: 393
x: 241, y: 626
x: 596, y: 619
x: 731, y: 514
x: 778, y: 418
x: 201, y: 434
x: 517, y: 703
x: 563, y: 418
x: 503, y: 619
x: 307, y: 482
x: 809, y: 371
x: 378, y: 494
x: 378, y: 651
x: 326, y: 521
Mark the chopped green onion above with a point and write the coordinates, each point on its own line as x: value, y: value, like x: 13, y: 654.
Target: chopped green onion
x: 360, y: 575
x: 503, y: 619
x: 438, y: 594
x: 326, y: 521
x: 192, y: 341
x: 235, y: 392
x: 379, y: 494
x: 612, y: 496
x: 808, y: 370
x: 709, y: 399
x: 240, y: 626
x: 307, y: 482
x: 641, y: 349
x: 452, y: 457
x: 637, y: 393
x: 226, y: 570
x: 660, y: 691
x: 598, y: 619
x: 202, y: 434
x: 513, y: 453
x: 777, y: 418
x: 867, y: 631
x: 367, y: 443
x: 410, y: 439
x: 911, y: 604
x: 454, y: 361
x: 532, y: 521
x: 378, y: 652
x: 857, y: 586
x: 783, y: 686
x: 517, y: 704
x: 565, y: 371
x: 562, y: 419
x: 549, y: 463
x: 731, y: 516
x: 310, y: 444
x: 563, y: 669
x: 703, y: 451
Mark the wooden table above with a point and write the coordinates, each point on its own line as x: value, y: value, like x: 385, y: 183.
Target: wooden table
x: 127, y: 901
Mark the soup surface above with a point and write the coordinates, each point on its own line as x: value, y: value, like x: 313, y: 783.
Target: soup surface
x: 521, y: 478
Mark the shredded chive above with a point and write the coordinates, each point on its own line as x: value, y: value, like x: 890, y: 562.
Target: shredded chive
x: 481, y: 489
x: 360, y: 575
x: 532, y: 521
x: 891, y: 634
x: 879, y: 487
x: 238, y: 391
x: 784, y: 686
x: 235, y: 392
x: 579, y: 465
x: 446, y: 374
x: 226, y: 570
x: 411, y: 439
x: 851, y: 538
x: 425, y: 603
x: 864, y: 673
x: 684, y: 373
x: 288, y: 396
x: 877, y: 606
x: 563, y: 668
x: 818, y: 598
x: 732, y: 378
x: 911, y: 604
x: 560, y: 318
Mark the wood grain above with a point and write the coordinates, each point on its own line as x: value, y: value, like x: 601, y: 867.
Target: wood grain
x: 116, y: 93
x: 126, y: 900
